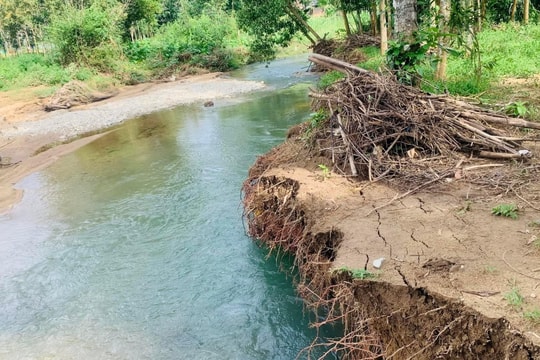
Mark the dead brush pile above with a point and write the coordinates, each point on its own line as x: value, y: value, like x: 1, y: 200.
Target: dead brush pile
x: 379, y: 129
x: 75, y: 93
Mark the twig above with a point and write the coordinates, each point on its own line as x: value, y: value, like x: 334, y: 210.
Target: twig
x: 407, y: 193
x: 516, y: 270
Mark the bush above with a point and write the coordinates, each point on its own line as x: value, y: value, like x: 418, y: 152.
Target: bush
x: 88, y: 36
x: 199, y: 41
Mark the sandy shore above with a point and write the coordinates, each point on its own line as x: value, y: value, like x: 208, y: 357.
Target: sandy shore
x: 25, y: 127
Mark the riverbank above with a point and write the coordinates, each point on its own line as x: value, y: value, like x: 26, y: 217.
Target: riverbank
x: 454, y: 282
x: 26, y: 129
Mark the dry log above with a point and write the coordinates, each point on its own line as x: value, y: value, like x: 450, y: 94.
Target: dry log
x: 335, y: 64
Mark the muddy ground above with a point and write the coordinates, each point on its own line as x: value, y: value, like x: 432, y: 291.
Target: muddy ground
x: 457, y: 282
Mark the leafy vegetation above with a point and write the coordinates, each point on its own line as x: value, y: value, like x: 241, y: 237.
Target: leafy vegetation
x: 514, y: 298
x: 360, y: 274
x: 533, y: 316
x: 506, y: 210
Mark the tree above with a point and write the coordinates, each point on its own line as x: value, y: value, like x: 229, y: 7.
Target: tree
x: 271, y: 23
x: 384, y: 27
x: 141, y: 18
x: 405, y: 18
x: 89, y: 36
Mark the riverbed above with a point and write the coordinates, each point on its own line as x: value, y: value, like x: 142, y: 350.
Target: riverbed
x: 133, y: 246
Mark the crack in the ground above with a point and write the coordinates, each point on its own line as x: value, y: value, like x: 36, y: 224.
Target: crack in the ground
x: 403, y: 277
x: 379, y: 228
x: 458, y: 239
x: 422, y: 203
x: 419, y: 241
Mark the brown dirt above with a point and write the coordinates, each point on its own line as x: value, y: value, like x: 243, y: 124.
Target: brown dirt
x: 450, y: 265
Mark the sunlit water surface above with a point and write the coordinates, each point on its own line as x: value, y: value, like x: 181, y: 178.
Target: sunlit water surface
x: 133, y: 246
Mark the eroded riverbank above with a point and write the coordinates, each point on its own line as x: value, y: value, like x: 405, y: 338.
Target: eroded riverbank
x: 451, y: 273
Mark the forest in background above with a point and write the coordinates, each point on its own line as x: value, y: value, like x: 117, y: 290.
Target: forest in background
x: 111, y: 42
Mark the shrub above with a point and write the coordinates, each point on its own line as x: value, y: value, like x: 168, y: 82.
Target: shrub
x: 88, y: 36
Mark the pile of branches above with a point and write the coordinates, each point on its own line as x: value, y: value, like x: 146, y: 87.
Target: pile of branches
x: 75, y: 93
x: 378, y: 129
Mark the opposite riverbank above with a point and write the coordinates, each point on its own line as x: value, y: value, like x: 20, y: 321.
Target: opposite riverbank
x: 31, y: 139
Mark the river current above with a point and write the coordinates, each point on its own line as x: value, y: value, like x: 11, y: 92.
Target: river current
x: 133, y: 246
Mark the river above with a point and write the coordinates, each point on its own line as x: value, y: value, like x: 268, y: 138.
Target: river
x: 133, y: 246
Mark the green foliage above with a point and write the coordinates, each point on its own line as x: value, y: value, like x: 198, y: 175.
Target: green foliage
x: 329, y: 78
x: 141, y: 14
x: 88, y: 36
x: 514, y: 298
x: 201, y: 41
x: 315, y: 121
x: 506, y: 210
x: 517, y: 108
x: 508, y: 50
x: 405, y: 60
x: 35, y: 69
x: 325, y: 171
x: 360, y: 274
x: 269, y: 23
x: 533, y: 316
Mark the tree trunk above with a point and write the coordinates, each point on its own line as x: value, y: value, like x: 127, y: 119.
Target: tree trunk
x: 405, y: 18
x: 346, y: 23
x: 358, y: 20
x: 294, y: 12
x: 443, y: 26
x: 525, y: 12
x: 384, y: 30
x: 513, y: 12
x: 373, y: 16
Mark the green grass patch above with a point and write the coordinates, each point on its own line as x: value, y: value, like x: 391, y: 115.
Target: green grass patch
x: 532, y: 315
x: 514, y: 298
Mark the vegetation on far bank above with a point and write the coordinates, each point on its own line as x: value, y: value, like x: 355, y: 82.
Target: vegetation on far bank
x: 106, y: 43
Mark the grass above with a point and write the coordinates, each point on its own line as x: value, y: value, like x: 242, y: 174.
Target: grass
x: 490, y: 269
x: 360, y: 274
x: 532, y: 315
x: 514, y: 298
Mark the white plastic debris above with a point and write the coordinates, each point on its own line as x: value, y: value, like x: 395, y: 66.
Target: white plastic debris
x: 377, y: 263
x: 524, y: 153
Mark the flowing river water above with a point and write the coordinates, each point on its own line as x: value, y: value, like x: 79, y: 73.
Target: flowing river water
x: 133, y: 246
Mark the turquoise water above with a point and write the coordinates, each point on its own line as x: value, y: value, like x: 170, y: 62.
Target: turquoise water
x: 133, y: 246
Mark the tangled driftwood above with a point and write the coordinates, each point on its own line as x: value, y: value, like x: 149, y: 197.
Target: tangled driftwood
x: 75, y: 93
x: 380, y: 129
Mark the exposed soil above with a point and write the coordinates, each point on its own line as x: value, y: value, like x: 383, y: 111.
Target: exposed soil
x: 452, y: 272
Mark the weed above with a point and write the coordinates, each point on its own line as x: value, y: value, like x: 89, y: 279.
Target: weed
x: 533, y: 316
x: 506, y: 210
x: 514, y: 298
x: 360, y: 274
x: 490, y: 269
x: 517, y: 108
x: 325, y: 171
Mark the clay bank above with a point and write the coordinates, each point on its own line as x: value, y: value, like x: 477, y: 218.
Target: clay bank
x: 408, y: 228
